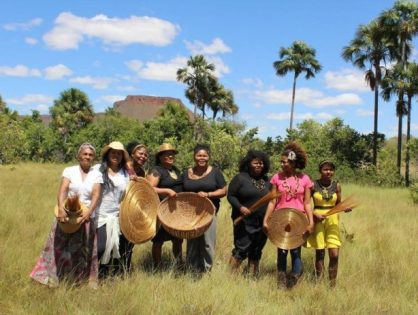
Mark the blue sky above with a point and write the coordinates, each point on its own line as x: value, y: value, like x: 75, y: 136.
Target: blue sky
x: 111, y: 49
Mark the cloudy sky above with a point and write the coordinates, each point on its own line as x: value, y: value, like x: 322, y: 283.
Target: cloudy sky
x: 111, y: 49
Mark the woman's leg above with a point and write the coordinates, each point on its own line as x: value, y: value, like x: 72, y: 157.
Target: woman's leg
x: 333, y: 265
x: 258, y: 240
x: 178, y: 250
x: 281, y: 267
x: 101, y: 246
x: 156, y: 254
x: 319, y: 262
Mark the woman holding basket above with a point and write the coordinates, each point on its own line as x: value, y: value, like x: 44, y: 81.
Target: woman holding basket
x: 295, y: 192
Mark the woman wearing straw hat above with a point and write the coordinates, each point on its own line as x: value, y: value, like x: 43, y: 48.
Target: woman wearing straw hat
x: 167, y: 181
x: 295, y: 190
x: 139, y: 156
x: 208, y: 182
x: 113, y: 248
x: 245, y: 189
x: 326, y: 193
x: 73, y: 255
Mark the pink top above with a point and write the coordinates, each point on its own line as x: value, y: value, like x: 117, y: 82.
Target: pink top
x: 292, y: 190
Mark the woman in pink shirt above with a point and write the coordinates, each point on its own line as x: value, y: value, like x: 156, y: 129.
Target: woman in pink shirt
x: 295, y: 189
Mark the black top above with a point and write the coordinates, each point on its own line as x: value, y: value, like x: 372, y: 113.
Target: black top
x: 245, y: 190
x: 214, y: 180
x: 167, y: 180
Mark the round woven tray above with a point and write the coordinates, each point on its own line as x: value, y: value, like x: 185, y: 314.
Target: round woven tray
x: 286, y: 228
x: 186, y: 216
x: 138, y: 212
x: 74, y: 219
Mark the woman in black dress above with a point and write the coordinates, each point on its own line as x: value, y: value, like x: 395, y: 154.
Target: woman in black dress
x: 167, y: 181
x: 209, y: 182
x: 245, y: 189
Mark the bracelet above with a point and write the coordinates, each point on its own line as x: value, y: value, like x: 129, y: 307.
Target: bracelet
x: 208, y: 194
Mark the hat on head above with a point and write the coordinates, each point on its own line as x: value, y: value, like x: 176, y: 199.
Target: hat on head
x: 164, y: 148
x: 115, y: 145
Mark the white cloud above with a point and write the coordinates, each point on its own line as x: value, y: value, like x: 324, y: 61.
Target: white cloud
x: 57, y: 72
x: 253, y: 81
x: 42, y: 108
x: 199, y: 48
x: 364, y: 112
x: 220, y: 67
x: 98, y: 83
x: 414, y: 127
x: 25, y: 26
x: 31, y: 99
x: 19, y: 71
x: 346, y: 80
x: 31, y: 41
x: 111, y: 98
x: 299, y: 116
x: 127, y: 88
x: 156, y: 70
x: 71, y: 30
x: 308, y: 97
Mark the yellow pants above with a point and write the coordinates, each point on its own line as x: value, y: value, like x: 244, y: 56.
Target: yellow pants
x: 326, y: 233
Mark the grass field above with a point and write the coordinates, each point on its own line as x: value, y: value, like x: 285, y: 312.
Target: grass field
x: 377, y: 274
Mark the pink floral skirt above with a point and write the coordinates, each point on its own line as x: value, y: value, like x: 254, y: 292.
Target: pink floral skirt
x: 69, y: 257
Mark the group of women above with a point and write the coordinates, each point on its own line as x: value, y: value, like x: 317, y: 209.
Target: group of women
x: 98, y: 249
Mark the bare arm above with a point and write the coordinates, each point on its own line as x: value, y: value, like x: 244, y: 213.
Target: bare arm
x: 308, y: 209
x: 270, y: 209
x: 154, y: 180
x: 95, y: 197
x: 62, y: 194
x: 219, y: 193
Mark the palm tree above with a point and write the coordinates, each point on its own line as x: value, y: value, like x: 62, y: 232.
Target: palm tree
x: 367, y: 51
x: 222, y: 100
x: 298, y: 58
x: 197, y: 75
x: 401, y: 25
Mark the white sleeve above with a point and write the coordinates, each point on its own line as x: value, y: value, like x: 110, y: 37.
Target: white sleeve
x: 68, y: 172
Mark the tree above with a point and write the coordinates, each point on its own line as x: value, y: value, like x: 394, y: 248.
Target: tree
x: 197, y: 76
x: 2, y: 104
x: 401, y: 24
x: 222, y: 100
x: 298, y: 58
x: 71, y: 112
x: 403, y: 81
x: 367, y: 51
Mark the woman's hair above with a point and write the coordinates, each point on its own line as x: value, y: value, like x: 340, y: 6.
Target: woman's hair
x: 244, y: 165
x: 108, y: 184
x: 296, y: 155
x: 84, y: 146
x: 326, y: 163
x: 204, y: 147
x: 132, y: 146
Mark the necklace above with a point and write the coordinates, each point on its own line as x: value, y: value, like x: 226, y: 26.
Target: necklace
x: 325, y: 193
x: 292, y: 193
x: 172, y: 174
x: 259, y: 184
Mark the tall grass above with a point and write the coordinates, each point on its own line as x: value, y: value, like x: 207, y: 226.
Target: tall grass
x: 377, y: 274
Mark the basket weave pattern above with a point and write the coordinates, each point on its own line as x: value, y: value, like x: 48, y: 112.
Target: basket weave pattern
x: 186, y: 216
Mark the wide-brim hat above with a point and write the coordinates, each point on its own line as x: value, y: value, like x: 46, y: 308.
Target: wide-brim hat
x: 138, y: 211
x: 115, y: 145
x: 74, y: 220
x: 286, y: 228
x: 188, y: 215
x: 164, y: 148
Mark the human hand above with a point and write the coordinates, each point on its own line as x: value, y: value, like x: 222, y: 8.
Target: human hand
x: 265, y: 228
x: 62, y: 215
x: 309, y: 229
x: 171, y: 193
x: 318, y: 217
x: 245, y: 211
x: 203, y: 194
x: 133, y: 177
x: 85, y: 215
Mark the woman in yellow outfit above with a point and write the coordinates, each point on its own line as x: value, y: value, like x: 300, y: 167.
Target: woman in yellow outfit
x: 326, y: 193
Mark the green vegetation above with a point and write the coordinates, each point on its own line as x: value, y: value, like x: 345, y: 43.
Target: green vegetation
x: 377, y: 273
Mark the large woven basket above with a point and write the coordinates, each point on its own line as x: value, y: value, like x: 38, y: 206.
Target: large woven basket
x: 286, y: 228
x: 138, y: 212
x: 186, y: 216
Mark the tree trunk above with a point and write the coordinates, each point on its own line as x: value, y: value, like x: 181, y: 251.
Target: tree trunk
x: 376, y: 112
x: 293, y: 102
x: 408, y: 137
x: 399, y: 149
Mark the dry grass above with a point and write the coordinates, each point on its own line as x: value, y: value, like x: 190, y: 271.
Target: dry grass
x: 377, y: 273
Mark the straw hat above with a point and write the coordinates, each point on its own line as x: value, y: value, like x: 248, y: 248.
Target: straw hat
x: 186, y: 216
x: 74, y: 220
x: 115, y: 145
x: 138, y: 211
x: 164, y: 148
x: 287, y: 228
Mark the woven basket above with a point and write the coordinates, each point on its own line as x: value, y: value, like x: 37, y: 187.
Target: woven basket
x: 286, y: 228
x: 138, y: 212
x: 186, y: 216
